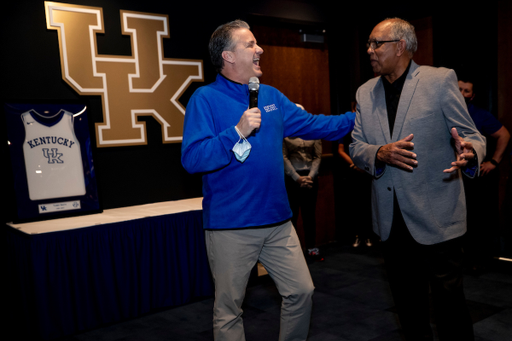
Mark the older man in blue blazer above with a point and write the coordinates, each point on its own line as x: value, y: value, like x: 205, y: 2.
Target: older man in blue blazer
x: 413, y: 134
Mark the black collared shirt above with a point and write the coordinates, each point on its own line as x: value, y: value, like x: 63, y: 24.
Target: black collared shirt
x: 393, y: 92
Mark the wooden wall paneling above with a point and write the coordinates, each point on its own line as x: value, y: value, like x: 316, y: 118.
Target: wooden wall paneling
x: 505, y: 112
x: 301, y: 72
x: 424, y: 55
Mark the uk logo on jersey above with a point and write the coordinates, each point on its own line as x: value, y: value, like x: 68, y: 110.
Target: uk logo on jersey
x: 145, y: 83
x: 52, y: 155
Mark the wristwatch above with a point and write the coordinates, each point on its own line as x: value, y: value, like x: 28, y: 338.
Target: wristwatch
x: 494, y: 162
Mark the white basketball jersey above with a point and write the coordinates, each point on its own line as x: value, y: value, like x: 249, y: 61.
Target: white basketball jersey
x: 53, y: 160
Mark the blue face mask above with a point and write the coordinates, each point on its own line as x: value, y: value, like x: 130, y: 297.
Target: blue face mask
x: 242, y: 150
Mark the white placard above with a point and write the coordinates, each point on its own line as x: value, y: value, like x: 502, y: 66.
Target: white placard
x: 59, y: 206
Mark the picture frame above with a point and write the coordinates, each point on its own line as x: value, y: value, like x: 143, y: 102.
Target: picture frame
x: 51, y: 157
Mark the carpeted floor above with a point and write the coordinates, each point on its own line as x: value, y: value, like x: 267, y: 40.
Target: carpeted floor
x: 352, y: 301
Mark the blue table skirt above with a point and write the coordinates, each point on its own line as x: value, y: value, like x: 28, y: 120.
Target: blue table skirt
x: 71, y: 281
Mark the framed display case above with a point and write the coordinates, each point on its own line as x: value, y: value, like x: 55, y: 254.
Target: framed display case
x: 51, y: 158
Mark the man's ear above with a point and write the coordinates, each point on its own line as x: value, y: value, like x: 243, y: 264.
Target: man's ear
x: 228, y: 57
x: 401, y: 47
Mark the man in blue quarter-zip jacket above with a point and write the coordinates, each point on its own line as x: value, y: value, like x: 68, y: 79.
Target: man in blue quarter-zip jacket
x: 238, y: 151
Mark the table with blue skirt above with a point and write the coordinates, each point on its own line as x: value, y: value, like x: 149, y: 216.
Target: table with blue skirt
x: 74, y: 274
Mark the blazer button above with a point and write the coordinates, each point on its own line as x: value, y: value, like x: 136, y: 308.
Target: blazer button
x: 389, y: 189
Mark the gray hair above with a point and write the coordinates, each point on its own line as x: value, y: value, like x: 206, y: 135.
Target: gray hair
x: 401, y: 29
x: 221, y: 40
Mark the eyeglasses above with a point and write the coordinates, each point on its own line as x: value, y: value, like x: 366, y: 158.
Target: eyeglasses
x: 375, y: 44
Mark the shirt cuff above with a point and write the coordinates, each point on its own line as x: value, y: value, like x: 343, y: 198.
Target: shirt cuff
x: 471, y: 169
x: 380, y: 166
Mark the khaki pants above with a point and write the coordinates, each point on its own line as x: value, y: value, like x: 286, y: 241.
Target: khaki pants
x: 233, y: 254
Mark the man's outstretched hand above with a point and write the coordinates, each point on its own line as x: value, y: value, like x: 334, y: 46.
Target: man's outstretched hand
x: 464, y: 151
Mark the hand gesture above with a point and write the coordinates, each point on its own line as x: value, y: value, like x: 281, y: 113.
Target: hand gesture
x: 398, y: 153
x: 464, y: 151
x: 250, y: 120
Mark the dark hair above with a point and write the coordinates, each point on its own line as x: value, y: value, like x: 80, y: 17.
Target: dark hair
x: 466, y: 76
x: 221, y: 40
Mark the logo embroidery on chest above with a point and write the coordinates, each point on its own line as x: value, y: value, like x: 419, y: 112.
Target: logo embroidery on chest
x: 269, y: 108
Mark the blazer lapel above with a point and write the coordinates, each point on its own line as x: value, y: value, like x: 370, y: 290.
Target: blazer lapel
x: 405, y: 100
x: 379, y: 102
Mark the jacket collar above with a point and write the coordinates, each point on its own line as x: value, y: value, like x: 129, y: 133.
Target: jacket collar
x: 232, y: 88
x: 379, y: 99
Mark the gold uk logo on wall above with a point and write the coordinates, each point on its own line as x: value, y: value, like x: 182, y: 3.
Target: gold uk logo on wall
x: 144, y: 83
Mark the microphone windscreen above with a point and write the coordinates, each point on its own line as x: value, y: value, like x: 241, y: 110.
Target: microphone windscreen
x: 254, y: 84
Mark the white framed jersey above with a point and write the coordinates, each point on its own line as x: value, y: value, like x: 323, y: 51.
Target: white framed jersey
x: 53, y: 160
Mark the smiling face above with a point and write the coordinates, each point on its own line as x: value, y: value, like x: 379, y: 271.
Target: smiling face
x: 243, y: 62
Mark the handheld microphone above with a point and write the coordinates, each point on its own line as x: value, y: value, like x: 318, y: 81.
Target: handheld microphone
x: 254, y: 87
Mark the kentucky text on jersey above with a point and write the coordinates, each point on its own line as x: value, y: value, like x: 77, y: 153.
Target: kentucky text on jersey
x: 50, y: 140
